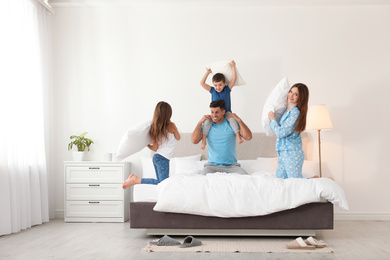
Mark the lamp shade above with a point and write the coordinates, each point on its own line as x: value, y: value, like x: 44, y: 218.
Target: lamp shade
x: 318, y: 118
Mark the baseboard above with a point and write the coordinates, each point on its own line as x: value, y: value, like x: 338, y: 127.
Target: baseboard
x: 362, y: 216
x: 59, y: 214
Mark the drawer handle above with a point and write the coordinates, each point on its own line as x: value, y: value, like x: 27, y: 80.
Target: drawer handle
x: 94, y: 202
x: 94, y: 185
x: 94, y: 168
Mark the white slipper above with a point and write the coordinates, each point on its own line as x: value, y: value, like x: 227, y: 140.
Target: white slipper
x: 299, y: 244
x: 314, y: 242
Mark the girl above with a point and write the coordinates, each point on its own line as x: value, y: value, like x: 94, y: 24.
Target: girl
x: 288, y: 133
x: 163, y: 134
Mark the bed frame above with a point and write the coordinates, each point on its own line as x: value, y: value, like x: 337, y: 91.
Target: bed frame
x: 300, y: 221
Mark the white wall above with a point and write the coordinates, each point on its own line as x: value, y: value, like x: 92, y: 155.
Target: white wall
x: 113, y: 63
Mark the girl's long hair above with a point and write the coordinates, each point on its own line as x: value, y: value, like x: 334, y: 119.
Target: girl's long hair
x: 303, y: 100
x: 161, y: 119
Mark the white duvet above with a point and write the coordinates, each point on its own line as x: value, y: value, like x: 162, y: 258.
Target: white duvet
x: 233, y: 195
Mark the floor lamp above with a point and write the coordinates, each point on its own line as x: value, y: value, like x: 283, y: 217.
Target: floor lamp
x: 318, y: 119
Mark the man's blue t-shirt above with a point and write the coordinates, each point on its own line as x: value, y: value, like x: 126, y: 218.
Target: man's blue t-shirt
x: 222, y: 144
x: 223, y: 95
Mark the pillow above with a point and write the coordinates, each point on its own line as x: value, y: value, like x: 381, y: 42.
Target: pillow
x: 148, y: 170
x: 134, y: 140
x: 268, y: 164
x: 183, y: 164
x: 201, y: 163
x: 309, y: 169
x: 277, y: 103
x: 250, y: 166
x: 225, y: 68
x: 186, y: 166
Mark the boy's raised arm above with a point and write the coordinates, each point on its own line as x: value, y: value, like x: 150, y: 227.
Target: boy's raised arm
x: 233, y: 81
x: 203, y: 80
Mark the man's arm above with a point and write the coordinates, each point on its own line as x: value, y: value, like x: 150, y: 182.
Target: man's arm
x: 245, y: 132
x: 197, y: 134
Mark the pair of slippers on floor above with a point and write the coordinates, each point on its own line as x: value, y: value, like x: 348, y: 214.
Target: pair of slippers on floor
x: 309, y: 244
x: 168, y: 241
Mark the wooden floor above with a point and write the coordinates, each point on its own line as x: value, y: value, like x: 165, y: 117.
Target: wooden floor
x: 59, y: 240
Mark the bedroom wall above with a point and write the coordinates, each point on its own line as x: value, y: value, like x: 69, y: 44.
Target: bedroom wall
x: 113, y: 62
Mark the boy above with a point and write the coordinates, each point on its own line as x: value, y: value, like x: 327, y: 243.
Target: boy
x: 220, y: 91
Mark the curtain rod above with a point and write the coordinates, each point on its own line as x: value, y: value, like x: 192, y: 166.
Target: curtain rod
x: 47, y: 6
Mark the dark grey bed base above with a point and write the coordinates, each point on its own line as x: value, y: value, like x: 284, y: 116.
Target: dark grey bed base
x: 313, y: 216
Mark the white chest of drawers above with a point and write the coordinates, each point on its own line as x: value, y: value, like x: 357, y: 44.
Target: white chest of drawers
x: 93, y: 191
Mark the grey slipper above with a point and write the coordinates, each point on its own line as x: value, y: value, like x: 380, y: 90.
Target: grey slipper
x: 165, y: 241
x: 191, y: 241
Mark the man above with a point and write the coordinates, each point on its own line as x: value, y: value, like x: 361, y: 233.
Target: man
x: 221, y: 140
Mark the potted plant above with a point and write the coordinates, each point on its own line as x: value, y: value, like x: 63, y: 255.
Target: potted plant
x: 81, y: 143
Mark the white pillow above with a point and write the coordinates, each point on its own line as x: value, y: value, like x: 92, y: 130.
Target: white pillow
x: 250, y: 166
x: 176, y: 164
x: 202, y: 163
x: 277, y: 103
x: 183, y: 164
x: 186, y: 166
x: 134, y: 140
x: 268, y: 164
x: 225, y: 68
x: 148, y: 170
x: 309, y: 169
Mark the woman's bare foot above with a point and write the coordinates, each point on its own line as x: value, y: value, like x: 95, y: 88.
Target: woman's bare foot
x: 132, y: 180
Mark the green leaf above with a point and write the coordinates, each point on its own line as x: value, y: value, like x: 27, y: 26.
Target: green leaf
x: 80, y: 142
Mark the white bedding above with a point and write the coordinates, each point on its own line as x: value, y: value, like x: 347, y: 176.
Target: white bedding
x: 233, y: 195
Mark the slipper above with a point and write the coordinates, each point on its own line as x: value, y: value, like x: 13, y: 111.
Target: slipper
x: 299, y: 244
x: 314, y: 242
x: 165, y: 241
x: 191, y: 241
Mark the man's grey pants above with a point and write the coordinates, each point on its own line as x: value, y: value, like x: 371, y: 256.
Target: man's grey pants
x: 233, y: 168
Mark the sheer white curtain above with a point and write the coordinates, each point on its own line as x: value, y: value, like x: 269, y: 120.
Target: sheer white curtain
x: 24, y: 75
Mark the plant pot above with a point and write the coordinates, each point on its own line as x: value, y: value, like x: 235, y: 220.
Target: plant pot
x: 78, y: 156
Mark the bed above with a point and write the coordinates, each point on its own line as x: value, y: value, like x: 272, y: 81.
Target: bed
x: 303, y: 220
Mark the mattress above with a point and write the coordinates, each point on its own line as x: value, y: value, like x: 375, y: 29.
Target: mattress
x: 148, y: 193
x: 145, y: 193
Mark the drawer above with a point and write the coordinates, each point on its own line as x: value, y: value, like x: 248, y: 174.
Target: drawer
x: 95, y: 209
x: 94, y: 174
x: 94, y: 192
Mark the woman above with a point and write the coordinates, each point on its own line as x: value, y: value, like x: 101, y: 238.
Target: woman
x: 288, y: 133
